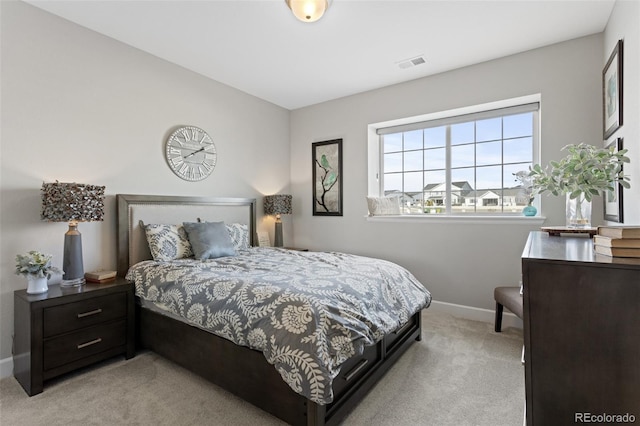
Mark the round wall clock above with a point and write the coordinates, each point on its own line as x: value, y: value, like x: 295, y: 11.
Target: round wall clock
x: 191, y: 153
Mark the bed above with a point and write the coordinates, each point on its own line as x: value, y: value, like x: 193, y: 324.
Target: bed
x: 236, y: 346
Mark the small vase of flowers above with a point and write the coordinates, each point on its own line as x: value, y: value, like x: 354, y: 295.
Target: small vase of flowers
x: 586, y: 171
x: 36, y: 267
x: 526, y: 189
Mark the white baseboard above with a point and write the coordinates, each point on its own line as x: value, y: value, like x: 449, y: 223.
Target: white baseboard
x: 459, y: 311
x: 6, y: 367
x: 476, y: 314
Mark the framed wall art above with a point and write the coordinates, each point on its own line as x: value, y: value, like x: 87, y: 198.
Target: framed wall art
x: 327, y: 177
x: 613, y: 207
x: 612, y: 92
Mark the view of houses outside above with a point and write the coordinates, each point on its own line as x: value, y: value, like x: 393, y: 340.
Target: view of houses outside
x: 483, y: 157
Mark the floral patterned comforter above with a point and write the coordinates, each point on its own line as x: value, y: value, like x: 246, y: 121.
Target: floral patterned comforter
x: 308, y: 312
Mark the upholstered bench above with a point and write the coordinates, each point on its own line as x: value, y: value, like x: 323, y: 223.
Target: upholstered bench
x: 510, y: 298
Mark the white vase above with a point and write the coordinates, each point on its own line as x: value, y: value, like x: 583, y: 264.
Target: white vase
x: 36, y: 285
x: 578, y: 212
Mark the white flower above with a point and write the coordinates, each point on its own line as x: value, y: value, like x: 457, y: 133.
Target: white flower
x: 296, y: 318
x: 36, y: 264
x: 196, y: 313
x: 222, y: 290
x: 257, y: 339
x: 343, y: 347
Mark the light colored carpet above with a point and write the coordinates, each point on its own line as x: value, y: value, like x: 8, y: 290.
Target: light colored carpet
x: 461, y: 373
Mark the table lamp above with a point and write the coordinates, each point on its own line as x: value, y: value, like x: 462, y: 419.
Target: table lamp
x: 73, y: 203
x: 276, y: 205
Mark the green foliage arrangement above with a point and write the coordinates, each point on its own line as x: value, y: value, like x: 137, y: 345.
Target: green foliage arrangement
x: 35, y: 264
x: 585, y: 170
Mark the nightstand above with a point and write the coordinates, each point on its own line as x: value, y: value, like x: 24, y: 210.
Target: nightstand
x: 69, y: 328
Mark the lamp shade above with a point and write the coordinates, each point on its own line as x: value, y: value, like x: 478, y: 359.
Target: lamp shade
x: 72, y: 202
x: 277, y: 204
x: 308, y: 10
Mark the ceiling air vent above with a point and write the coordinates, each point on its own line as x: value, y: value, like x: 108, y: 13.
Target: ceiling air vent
x: 408, y: 63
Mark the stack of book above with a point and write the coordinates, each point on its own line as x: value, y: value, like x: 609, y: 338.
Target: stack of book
x: 617, y: 241
x: 100, y: 276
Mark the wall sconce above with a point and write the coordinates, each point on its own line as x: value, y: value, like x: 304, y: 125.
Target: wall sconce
x: 308, y: 10
x: 73, y: 203
x: 276, y: 205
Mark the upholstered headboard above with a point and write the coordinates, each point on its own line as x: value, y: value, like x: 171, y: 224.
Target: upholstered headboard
x: 132, y: 242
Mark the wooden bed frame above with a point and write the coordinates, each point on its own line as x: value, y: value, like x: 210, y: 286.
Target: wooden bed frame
x: 240, y: 370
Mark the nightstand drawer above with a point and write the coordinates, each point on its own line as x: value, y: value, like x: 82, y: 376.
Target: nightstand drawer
x: 77, y: 315
x: 88, y: 341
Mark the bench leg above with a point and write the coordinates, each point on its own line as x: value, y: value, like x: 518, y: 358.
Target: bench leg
x: 499, y: 309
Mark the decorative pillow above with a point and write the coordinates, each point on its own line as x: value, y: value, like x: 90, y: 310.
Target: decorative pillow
x: 167, y: 242
x: 383, y: 205
x: 239, y: 234
x: 209, y: 240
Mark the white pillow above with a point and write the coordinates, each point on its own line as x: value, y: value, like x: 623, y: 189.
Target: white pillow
x: 383, y: 205
x: 239, y: 234
x: 167, y: 242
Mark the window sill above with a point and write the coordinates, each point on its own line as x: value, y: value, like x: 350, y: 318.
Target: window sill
x: 500, y: 220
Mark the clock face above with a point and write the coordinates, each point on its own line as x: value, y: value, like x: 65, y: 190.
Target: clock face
x: 191, y: 153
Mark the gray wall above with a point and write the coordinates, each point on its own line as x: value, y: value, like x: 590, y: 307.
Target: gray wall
x: 460, y: 263
x: 624, y: 24
x: 78, y: 106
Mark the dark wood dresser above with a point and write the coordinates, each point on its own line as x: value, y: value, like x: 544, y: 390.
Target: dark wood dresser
x: 581, y: 332
x: 68, y: 328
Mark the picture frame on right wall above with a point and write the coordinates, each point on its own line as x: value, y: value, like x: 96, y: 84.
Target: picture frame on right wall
x: 613, y: 207
x: 612, y: 92
x: 327, y: 178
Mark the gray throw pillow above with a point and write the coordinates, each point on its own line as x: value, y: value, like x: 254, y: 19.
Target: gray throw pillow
x: 209, y: 240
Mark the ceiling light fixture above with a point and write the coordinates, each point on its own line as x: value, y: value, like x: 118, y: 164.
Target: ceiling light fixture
x: 308, y: 10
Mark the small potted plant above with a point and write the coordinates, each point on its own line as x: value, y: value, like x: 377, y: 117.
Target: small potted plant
x: 585, y: 171
x: 36, y: 267
x: 526, y: 188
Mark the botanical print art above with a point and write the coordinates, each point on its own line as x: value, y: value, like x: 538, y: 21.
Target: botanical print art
x: 327, y: 178
x: 612, y: 92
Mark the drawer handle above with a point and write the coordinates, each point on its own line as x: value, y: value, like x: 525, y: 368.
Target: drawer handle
x: 93, y: 342
x: 401, y: 330
x: 351, y: 374
x: 88, y: 314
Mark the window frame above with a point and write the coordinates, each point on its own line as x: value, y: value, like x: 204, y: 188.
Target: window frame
x: 459, y: 115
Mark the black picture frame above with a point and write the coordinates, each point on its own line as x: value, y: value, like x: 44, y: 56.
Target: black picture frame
x: 613, y: 206
x: 327, y: 177
x: 612, y: 92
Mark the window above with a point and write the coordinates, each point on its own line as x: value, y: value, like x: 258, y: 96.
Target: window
x: 460, y: 164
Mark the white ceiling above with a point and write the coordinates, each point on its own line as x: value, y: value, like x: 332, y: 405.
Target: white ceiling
x: 260, y: 48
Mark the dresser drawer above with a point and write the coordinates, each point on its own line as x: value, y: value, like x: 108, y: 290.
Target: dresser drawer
x: 88, y: 341
x: 74, y: 316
